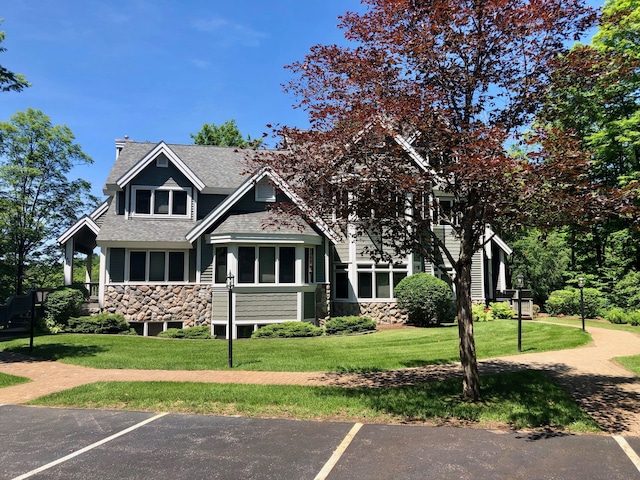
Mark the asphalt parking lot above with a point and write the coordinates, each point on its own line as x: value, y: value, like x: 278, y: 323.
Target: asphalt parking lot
x: 45, y: 443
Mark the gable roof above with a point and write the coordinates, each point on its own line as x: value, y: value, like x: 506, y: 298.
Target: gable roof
x: 220, y: 169
x: 160, y: 148
x: 247, y: 186
x: 88, y: 221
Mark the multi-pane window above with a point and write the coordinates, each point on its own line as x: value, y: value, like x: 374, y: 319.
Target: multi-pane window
x: 160, y: 201
x: 156, y: 266
x: 376, y: 281
x: 267, y: 265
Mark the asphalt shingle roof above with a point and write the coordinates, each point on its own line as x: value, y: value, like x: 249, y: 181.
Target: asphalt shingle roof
x: 263, y: 222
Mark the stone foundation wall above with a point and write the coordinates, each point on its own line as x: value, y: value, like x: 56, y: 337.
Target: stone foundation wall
x: 381, y: 313
x: 323, y: 303
x: 190, y: 304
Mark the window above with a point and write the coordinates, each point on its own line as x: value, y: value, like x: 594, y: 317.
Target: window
x: 342, y: 282
x: 287, y: 265
x: 268, y: 264
x: 377, y: 280
x: 246, y: 264
x: 221, y: 265
x: 161, y: 201
x: 156, y: 266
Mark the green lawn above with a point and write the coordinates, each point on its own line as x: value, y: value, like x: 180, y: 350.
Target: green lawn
x: 7, y: 380
x: 519, y: 400
x: 383, y: 350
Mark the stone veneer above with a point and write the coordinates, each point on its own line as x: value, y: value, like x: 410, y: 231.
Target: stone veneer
x: 380, y: 312
x: 190, y: 304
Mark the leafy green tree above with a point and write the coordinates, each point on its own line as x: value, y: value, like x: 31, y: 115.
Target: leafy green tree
x: 10, y: 81
x: 225, y: 135
x: 541, y: 259
x: 595, y: 94
x: 38, y: 201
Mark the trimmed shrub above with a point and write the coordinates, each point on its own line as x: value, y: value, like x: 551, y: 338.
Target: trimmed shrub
x: 567, y: 302
x: 61, y: 305
x: 479, y: 313
x: 500, y: 311
x: 200, y: 332
x: 288, y: 330
x: 102, y: 323
x: 426, y: 299
x: 616, y: 315
x: 348, y: 325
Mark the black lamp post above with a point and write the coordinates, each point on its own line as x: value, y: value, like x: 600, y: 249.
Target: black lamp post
x: 230, y: 285
x: 581, y: 286
x: 32, y: 324
x: 519, y: 286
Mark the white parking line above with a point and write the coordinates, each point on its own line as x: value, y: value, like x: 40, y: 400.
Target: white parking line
x: 626, y: 448
x: 322, y: 475
x: 86, y: 449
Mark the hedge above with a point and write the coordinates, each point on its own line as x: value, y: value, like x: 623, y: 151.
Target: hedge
x: 349, y: 325
x: 288, y: 330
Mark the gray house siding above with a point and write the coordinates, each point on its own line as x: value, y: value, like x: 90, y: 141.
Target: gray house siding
x: 206, y: 265
x: 220, y: 305
x: 264, y: 307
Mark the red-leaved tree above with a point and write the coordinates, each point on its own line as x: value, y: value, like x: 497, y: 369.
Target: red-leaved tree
x: 429, y: 97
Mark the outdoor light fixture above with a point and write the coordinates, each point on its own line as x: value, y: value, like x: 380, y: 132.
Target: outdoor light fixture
x: 32, y: 324
x: 519, y: 285
x: 230, y: 285
x: 581, y: 286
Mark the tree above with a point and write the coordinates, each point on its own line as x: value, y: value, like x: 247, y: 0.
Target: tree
x: 594, y: 93
x: 451, y: 82
x: 225, y: 135
x: 37, y: 199
x: 9, y: 80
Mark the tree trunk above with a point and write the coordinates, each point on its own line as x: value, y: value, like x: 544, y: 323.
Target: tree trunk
x: 470, y: 375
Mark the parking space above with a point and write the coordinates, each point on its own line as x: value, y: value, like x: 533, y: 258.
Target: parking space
x: 95, y: 444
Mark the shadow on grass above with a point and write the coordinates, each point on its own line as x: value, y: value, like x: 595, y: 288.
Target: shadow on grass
x: 49, y: 352
x: 523, y: 399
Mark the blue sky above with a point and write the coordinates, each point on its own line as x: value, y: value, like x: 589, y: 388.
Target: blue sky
x: 158, y: 69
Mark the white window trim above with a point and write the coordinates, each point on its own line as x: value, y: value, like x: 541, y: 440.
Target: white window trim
x: 373, y: 269
x: 299, y: 262
x: 134, y: 191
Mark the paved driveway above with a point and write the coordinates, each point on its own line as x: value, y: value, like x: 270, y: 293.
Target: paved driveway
x: 44, y: 443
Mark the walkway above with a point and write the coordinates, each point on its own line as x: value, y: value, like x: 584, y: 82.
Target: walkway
x: 610, y: 393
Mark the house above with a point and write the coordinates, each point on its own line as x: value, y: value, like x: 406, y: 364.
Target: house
x: 179, y: 219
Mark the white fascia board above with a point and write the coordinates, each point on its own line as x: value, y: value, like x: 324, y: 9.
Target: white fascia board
x: 151, y: 156
x: 501, y: 243
x: 288, y: 239
x: 104, y: 206
x: 243, y: 189
x: 85, y: 221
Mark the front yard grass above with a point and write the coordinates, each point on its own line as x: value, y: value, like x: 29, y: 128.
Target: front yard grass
x: 523, y: 400
x: 383, y: 350
x: 7, y: 380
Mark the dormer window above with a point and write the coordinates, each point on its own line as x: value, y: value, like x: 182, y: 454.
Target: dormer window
x: 161, y: 201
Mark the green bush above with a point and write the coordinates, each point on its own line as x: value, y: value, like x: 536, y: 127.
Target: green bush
x: 426, y: 299
x: 479, y: 313
x: 627, y: 292
x: 616, y: 315
x: 348, y: 325
x: 634, y: 318
x: 288, y: 330
x: 200, y: 332
x: 102, y: 323
x: 500, y: 311
x: 567, y: 302
x: 61, y: 305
